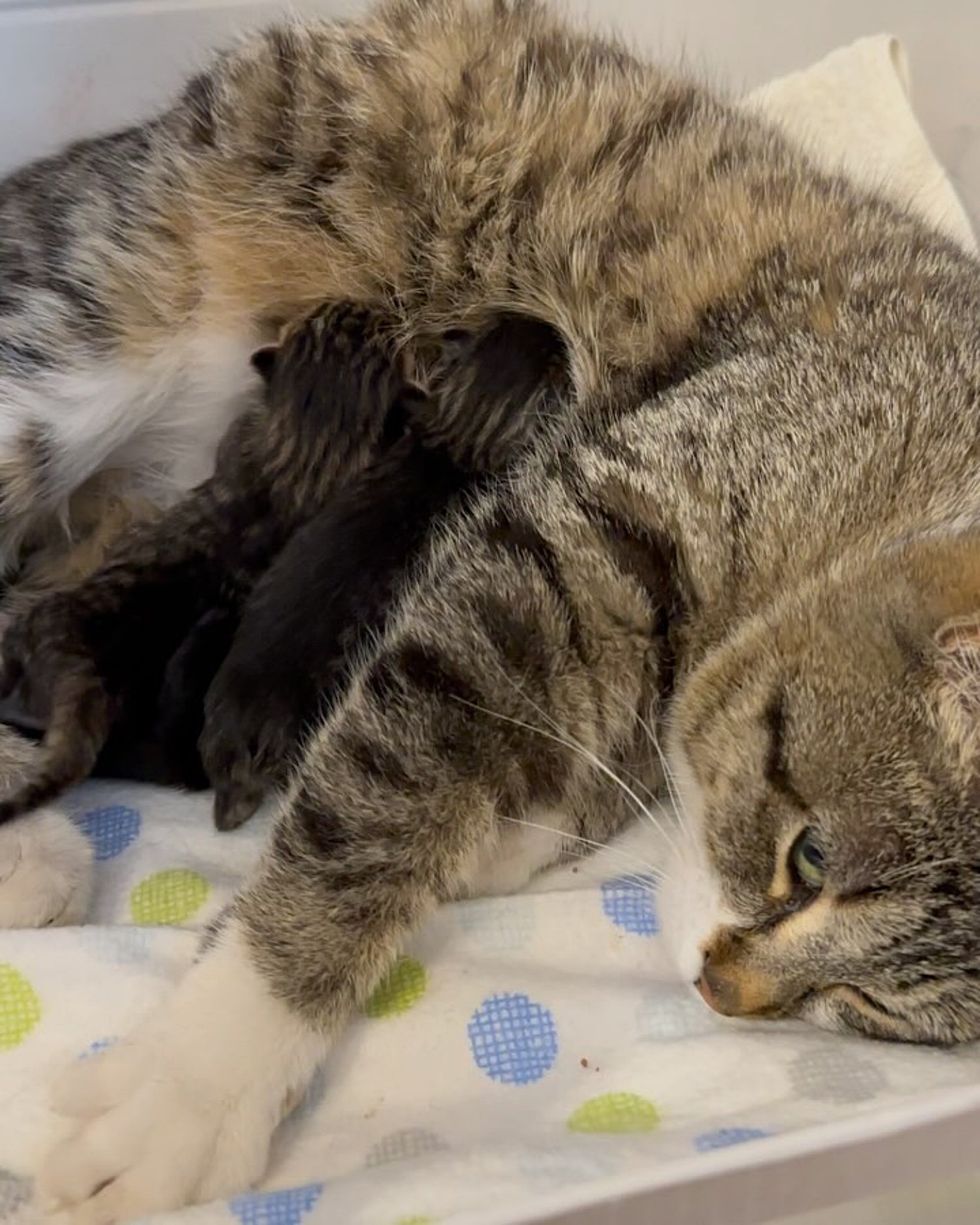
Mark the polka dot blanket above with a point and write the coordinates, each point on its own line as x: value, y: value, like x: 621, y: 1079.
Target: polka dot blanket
x: 521, y: 1045
x: 523, y: 1048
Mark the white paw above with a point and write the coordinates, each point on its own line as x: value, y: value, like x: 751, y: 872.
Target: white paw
x: 184, y: 1113
x: 45, y: 871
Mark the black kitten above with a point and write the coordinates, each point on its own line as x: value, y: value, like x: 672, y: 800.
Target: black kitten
x: 324, y: 500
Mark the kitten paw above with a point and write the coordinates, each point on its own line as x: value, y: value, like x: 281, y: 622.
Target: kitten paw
x: 45, y: 871
x: 250, y: 733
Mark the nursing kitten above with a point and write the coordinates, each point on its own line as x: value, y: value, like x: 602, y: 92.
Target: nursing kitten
x: 326, y: 596
x: 326, y: 491
x: 753, y: 531
x: 331, y: 396
x: 155, y: 731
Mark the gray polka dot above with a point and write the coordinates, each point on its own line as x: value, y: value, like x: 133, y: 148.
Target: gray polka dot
x: 404, y: 1145
x: 14, y: 1193
x: 835, y: 1074
x: 669, y: 1013
x: 121, y: 945
x: 547, y: 1170
x: 498, y: 926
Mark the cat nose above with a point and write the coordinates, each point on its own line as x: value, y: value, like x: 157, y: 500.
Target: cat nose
x: 718, y: 990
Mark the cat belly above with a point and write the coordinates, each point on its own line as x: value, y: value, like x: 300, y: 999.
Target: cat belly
x: 145, y: 428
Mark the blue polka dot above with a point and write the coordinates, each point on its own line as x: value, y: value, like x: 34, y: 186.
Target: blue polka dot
x: 629, y: 903
x: 513, y: 1039
x: 726, y: 1136
x: 110, y: 829
x: 276, y: 1207
x: 668, y: 1014
x: 97, y: 1047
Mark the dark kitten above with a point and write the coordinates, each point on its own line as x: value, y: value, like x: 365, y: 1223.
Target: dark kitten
x: 319, y: 604
x: 154, y: 738
x: 344, y: 469
x: 328, y: 593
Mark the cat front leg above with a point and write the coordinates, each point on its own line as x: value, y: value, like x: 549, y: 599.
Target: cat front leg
x: 499, y: 683
x: 185, y: 1111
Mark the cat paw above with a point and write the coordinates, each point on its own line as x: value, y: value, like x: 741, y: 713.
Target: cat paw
x: 153, y: 1134
x: 184, y: 1112
x: 45, y: 871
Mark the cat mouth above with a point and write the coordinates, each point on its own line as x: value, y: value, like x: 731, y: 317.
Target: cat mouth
x: 727, y: 1005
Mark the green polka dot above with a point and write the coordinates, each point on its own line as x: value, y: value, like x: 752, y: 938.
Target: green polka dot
x: 20, y: 1009
x: 172, y: 896
x: 404, y: 986
x: 615, y: 1112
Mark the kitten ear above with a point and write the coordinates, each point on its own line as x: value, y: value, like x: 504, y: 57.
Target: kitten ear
x: 264, y: 360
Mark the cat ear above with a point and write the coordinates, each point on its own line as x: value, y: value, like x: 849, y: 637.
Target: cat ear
x: 958, y: 645
x: 264, y: 360
x: 959, y: 648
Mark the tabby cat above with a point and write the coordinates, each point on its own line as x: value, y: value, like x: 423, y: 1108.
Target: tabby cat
x: 753, y: 532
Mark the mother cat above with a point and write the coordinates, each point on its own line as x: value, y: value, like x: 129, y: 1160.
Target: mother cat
x: 759, y: 517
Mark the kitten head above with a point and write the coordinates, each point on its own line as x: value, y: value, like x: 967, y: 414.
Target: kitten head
x: 827, y: 758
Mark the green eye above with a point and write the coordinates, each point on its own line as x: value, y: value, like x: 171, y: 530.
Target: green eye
x: 807, y: 860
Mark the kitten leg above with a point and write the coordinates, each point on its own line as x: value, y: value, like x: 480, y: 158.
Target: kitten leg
x: 45, y: 860
x: 74, y: 654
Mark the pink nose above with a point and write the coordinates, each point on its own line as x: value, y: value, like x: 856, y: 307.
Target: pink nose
x: 720, y: 992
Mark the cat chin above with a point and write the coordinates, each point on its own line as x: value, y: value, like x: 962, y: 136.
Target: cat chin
x: 690, y: 906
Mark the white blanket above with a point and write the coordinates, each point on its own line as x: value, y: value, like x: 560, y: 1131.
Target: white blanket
x: 530, y: 1052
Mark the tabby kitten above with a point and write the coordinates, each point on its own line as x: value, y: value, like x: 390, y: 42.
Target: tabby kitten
x: 754, y: 531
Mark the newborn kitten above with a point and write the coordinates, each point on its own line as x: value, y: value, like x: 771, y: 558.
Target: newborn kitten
x: 342, y: 535
x: 751, y: 529
x: 154, y: 736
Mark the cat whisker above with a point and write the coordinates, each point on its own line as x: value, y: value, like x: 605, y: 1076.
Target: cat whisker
x: 593, y: 873
x: 648, y: 869
x: 583, y: 752
x: 669, y: 779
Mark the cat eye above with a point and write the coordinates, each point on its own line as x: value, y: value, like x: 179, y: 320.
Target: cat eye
x: 807, y: 861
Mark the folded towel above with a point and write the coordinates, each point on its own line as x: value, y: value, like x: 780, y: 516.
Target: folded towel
x: 851, y: 111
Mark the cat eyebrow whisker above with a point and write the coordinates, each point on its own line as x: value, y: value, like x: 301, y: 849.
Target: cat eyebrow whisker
x: 910, y: 871
x: 669, y: 779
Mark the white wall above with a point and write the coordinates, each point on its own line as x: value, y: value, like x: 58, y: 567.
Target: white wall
x: 75, y: 68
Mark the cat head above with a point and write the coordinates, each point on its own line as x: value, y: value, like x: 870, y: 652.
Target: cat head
x: 827, y: 762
